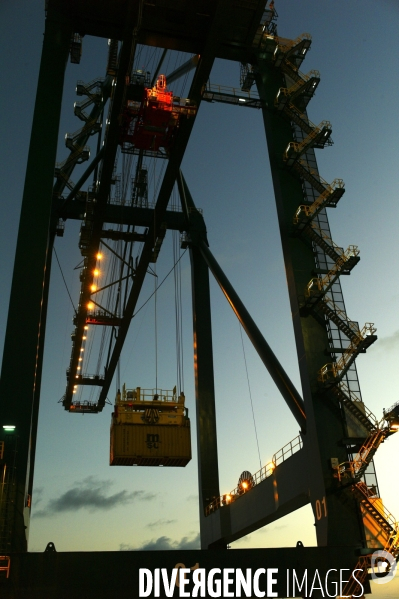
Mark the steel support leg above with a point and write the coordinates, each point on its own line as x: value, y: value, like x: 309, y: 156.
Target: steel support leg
x: 21, y: 374
x: 208, y: 471
x: 335, y: 510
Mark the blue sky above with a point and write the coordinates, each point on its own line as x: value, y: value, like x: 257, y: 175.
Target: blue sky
x: 80, y: 503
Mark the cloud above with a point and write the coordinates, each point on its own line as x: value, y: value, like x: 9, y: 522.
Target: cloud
x: 160, y: 523
x: 164, y: 544
x: 93, y: 495
x: 387, y: 343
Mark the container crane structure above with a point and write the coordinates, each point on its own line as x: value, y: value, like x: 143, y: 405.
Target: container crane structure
x: 330, y: 464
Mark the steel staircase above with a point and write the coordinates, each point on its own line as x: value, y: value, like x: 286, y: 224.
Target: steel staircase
x: 386, y: 522
x: 332, y: 373
x: 328, y: 198
x: 318, y: 137
x: 315, y: 180
x: 318, y: 287
x: 323, y: 240
x: 292, y: 52
x: 355, y: 407
x: 321, y: 296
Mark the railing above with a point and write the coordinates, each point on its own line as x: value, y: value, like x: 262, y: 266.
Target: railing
x: 299, y: 148
x: 150, y: 205
x: 280, y: 456
x: 286, y: 44
x: 395, y: 405
x: 236, y: 92
x: 313, y: 172
x: 287, y: 92
x: 353, y: 397
x: 326, y: 238
x: 362, y: 458
x: 333, y: 371
x: 149, y: 395
x: 83, y: 405
x: 298, y: 84
x: 72, y: 158
x: 309, y: 210
x: 320, y: 285
x: 92, y: 84
x: 89, y: 376
x: 5, y: 562
x: 288, y: 450
x: 364, y: 563
x: 386, y: 514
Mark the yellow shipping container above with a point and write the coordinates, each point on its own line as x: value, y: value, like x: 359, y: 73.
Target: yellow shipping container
x: 150, y: 445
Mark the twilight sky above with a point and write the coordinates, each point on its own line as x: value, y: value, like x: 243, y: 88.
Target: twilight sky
x: 80, y: 503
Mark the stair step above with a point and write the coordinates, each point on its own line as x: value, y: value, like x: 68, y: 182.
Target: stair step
x: 318, y: 239
x: 309, y: 177
x: 332, y: 315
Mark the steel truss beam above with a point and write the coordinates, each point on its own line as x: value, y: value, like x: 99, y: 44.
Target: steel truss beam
x: 111, y: 144
x: 200, y: 77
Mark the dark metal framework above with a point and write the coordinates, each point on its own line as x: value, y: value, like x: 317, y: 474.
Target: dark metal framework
x: 334, y: 423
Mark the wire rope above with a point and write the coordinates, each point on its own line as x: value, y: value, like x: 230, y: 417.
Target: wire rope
x: 250, y: 394
x: 177, y: 331
x: 160, y: 284
x: 63, y: 278
x: 156, y: 328
x: 178, y: 304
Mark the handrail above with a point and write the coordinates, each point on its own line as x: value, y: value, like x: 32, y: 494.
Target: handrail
x: 352, y: 397
x: 265, y: 472
x: 316, y: 129
x: 148, y: 395
x: 310, y: 209
x: 351, y: 252
x: 231, y: 91
x: 288, y: 91
x: 335, y: 368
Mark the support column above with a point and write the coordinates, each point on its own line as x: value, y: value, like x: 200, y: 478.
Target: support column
x: 335, y: 510
x: 21, y: 368
x: 208, y: 470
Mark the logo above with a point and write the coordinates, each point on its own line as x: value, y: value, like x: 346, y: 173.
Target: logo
x: 153, y: 441
x: 379, y: 561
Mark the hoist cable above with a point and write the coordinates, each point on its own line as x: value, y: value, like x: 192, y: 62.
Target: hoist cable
x: 160, y: 284
x: 156, y: 329
x: 176, y: 277
x: 250, y: 395
x: 181, y: 332
x: 63, y: 278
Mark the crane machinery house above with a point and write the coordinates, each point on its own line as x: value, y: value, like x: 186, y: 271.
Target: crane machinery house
x: 150, y: 427
x: 152, y: 114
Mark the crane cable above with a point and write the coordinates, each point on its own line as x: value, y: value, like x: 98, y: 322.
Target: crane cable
x: 178, y: 315
x: 63, y: 278
x: 250, y: 395
x: 156, y: 327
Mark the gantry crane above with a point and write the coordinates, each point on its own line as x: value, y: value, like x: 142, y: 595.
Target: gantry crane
x: 328, y: 465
